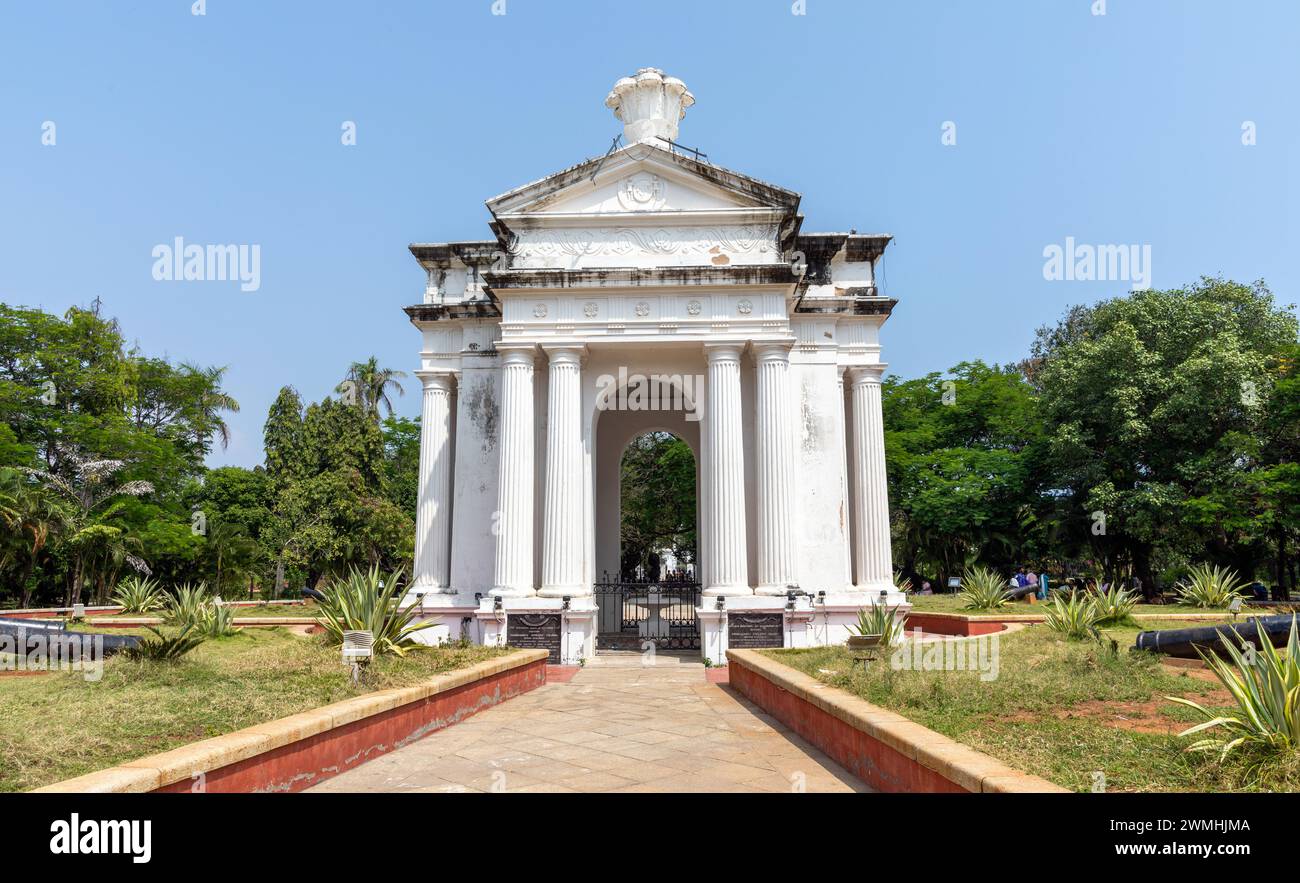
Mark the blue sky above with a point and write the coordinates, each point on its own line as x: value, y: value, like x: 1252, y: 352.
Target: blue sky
x: 1124, y: 128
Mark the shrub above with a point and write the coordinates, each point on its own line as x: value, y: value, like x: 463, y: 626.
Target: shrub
x: 218, y: 621
x: 903, y: 583
x: 360, y: 603
x: 1072, y: 615
x: 188, y: 605
x: 165, y: 648
x: 1266, y: 686
x: 1113, y: 605
x: 880, y: 619
x: 1209, y: 587
x: 983, y: 589
x: 138, y: 595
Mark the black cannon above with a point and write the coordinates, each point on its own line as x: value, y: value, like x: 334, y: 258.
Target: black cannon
x: 1183, y: 642
x: 1020, y: 592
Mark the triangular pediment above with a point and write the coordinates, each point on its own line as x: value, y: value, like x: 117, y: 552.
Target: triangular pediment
x: 643, y: 180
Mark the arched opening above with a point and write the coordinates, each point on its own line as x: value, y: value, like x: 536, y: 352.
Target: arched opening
x: 647, y: 527
x: 658, y: 535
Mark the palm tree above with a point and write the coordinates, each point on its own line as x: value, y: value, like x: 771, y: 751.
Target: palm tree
x: 34, y: 516
x: 229, y: 542
x: 89, y: 492
x: 371, y: 384
x: 212, y: 401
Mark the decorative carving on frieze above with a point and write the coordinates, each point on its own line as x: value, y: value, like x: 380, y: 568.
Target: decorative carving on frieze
x: 744, y: 307
x: 545, y: 246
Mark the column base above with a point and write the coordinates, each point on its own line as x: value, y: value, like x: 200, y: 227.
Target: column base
x: 729, y: 591
x: 578, y: 591
x: 774, y: 589
x: 512, y: 592
x: 452, y: 614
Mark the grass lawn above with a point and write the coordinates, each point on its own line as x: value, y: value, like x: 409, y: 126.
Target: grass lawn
x: 1062, y: 710
x: 59, y: 725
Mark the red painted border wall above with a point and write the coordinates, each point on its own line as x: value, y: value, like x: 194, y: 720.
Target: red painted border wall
x: 939, y: 624
x: 312, y: 760
x: 879, y: 765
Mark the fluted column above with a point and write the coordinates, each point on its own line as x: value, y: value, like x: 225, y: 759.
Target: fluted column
x: 846, y: 477
x: 774, y: 428
x: 433, y: 512
x: 563, y: 539
x: 871, y: 544
x: 513, y: 572
x: 727, y: 565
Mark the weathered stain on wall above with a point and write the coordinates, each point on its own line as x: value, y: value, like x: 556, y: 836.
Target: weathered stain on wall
x: 483, y: 410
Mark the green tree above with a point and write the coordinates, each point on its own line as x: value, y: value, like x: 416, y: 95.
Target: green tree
x: 367, y: 386
x: 1153, y: 398
x: 657, y: 505
x: 92, y: 496
x: 964, y: 457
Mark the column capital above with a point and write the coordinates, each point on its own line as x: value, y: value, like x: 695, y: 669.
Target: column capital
x: 772, y: 350
x: 723, y: 352
x: 565, y: 353
x: 867, y: 374
x: 517, y: 353
x: 444, y: 381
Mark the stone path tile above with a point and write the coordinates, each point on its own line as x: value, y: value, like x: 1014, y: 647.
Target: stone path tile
x: 615, y: 726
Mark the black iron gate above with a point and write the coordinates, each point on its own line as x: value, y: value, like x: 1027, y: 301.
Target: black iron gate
x: 662, y: 613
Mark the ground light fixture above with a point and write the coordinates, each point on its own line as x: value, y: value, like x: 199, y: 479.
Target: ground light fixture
x: 358, y: 649
x: 722, y: 603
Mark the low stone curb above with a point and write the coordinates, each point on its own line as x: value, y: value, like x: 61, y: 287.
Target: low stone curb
x: 159, y: 771
x: 897, y: 753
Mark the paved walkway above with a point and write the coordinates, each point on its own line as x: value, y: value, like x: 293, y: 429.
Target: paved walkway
x: 616, y: 726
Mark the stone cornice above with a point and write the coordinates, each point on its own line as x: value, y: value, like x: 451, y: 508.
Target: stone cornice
x: 480, y: 309
x: 848, y: 306
x: 630, y: 277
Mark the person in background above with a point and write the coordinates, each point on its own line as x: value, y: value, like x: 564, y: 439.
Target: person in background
x: 1021, y: 579
x: 1031, y: 578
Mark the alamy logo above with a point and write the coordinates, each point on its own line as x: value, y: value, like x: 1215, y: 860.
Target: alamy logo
x: 653, y: 392
x: 179, y: 262
x: 76, y: 836
x: 1098, y: 263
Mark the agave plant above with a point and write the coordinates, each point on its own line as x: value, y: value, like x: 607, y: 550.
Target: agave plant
x: 218, y: 621
x: 983, y: 589
x: 1112, y: 605
x: 188, y: 605
x: 903, y: 583
x: 137, y: 594
x: 880, y: 619
x: 1207, y: 586
x: 1266, y: 685
x: 1071, y: 615
x: 165, y: 648
x: 365, y: 601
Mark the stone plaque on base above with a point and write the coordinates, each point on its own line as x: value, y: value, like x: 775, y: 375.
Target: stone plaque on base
x: 755, y: 631
x: 535, y: 631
